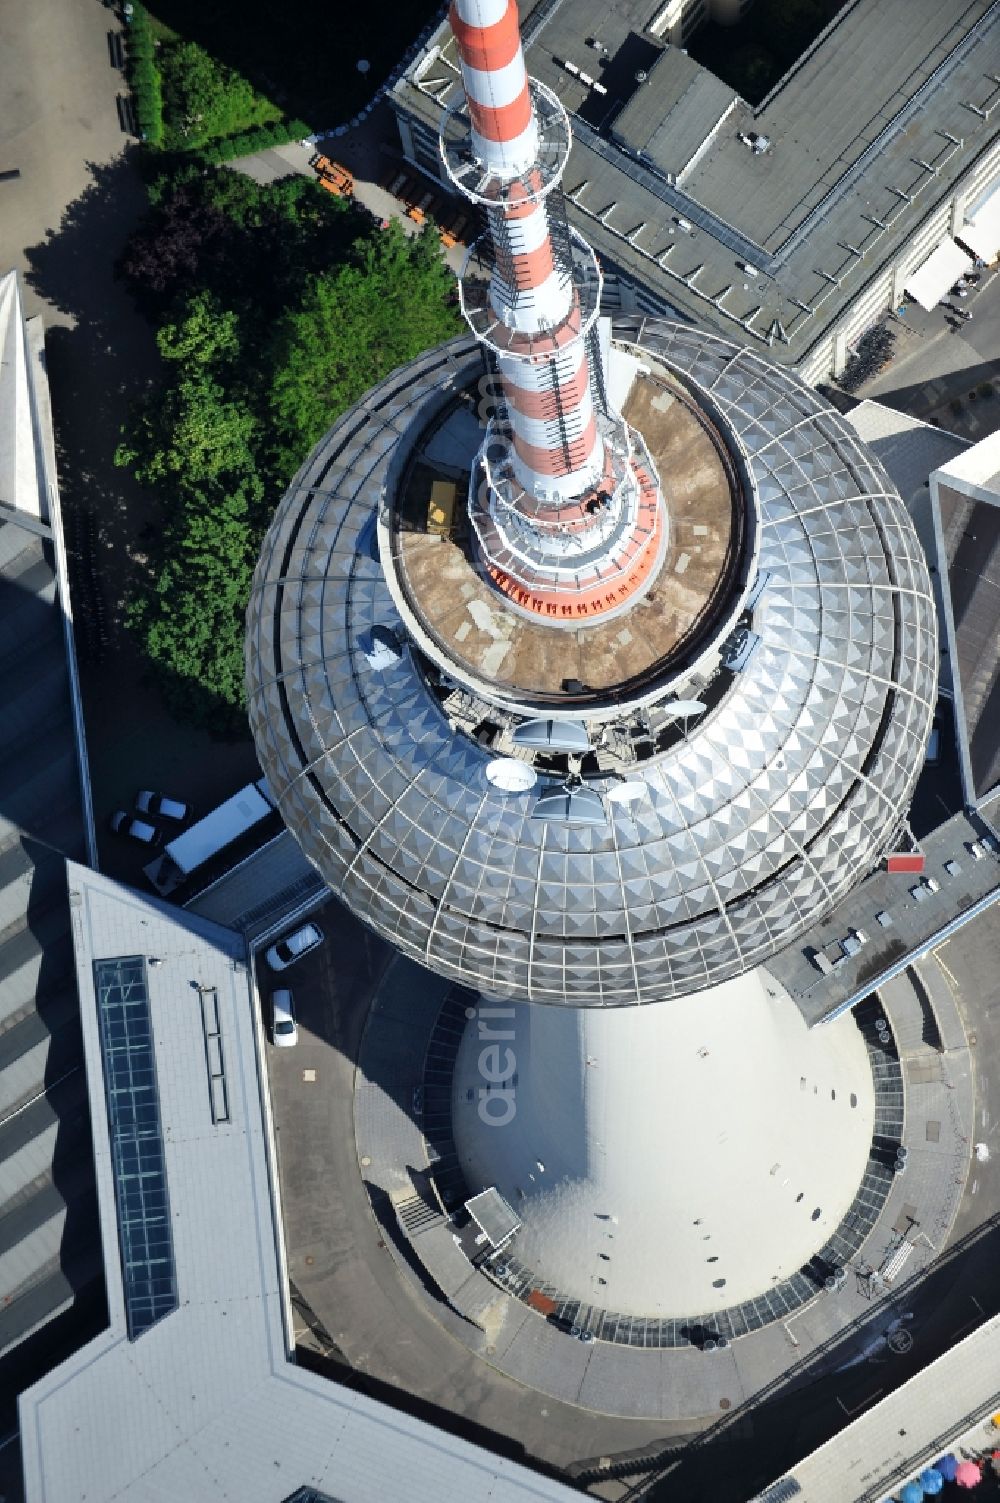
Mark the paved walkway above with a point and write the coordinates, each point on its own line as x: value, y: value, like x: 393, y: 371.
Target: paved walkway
x: 942, y: 364
x: 369, y: 152
x: 684, y: 1386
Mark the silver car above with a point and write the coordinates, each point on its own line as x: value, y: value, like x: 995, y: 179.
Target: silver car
x: 284, y: 1029
x: 138, y: 829
x: 293, y: 946
x: 159, y: 806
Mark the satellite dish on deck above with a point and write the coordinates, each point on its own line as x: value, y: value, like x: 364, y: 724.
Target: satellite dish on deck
x: 511, y: 776
x: 629, y: 792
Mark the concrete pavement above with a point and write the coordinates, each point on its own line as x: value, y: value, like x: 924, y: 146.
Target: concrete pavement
x: 938, y: 368
x: 58, y: 121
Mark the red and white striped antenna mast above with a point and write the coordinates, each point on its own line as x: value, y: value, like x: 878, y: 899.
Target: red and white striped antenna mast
x: 565, y: 503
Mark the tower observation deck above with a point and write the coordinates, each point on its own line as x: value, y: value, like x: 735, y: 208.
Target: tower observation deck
x: 589, y: 664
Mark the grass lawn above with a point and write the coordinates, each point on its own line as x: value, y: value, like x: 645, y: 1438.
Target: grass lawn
x: 305, y: 58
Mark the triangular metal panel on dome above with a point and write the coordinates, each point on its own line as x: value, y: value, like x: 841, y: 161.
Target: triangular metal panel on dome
x: 579, y: 872
x: 579, y: 922
x: 730, y: 881
x: 607, y: 922
x: 645, y: 818
x: 639, y: 891
x: 642, y: 917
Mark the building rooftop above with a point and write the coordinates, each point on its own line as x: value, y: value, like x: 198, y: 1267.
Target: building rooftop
x: 870, y: 129
x: 909, y: 449
x: 966, y: 494
x: 49, y: 1250
x: 673, y: 113
x: 527, y: 653
x: 946, y: 1407
x: 255, y: 892
x: 914, y: 919
x: 844, y: 102
x: 978, y: 465
x: 207, y: 1398
x: 646, y: 1143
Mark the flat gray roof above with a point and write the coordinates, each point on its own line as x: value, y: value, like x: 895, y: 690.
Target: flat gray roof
x: 49, y: 1246
x: 915, y: 924
x: 207, y: 1401
x: 909, y: 449
x: 968, y: 502
x: 873, y: 127
x: 275, y: 879
x: 670, y: 116
x: 874, y: 62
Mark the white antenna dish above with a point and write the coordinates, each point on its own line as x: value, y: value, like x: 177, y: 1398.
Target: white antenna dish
x: 682, y: 708
x: 510, y: 775
x: 629, y: 792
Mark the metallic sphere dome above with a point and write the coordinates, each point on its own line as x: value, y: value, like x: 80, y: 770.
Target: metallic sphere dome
x: 756, y: 816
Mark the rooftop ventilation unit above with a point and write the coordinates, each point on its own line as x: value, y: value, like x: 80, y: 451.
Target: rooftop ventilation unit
x: 571, y: 805
x: 756, y: 143
x: 553, y: 735
x: 740, y: 648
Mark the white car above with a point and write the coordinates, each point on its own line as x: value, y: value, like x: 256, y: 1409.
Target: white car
x: 138, y: 829
x: 284, y: 1030
x: 158, y: 805
x: 293, y: 947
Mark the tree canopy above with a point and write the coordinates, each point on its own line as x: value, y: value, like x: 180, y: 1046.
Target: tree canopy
x: 277, y: 308
x: 352, y: 326
x: 203, y: 99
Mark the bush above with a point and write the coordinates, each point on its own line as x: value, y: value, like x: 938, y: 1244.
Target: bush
x: 250, y: 141
x: 204, y: 100
x: 144, y: 77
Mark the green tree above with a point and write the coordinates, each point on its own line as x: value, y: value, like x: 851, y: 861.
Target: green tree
x: 190, y: 619
x: 291, y: 320
x: 194, y: 441
x: 207, y: 335
x: 353, y: 326
x: 203, y: 99
x: 194, y: 431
